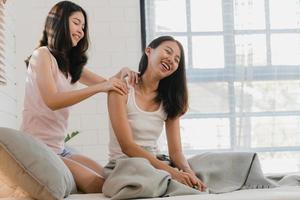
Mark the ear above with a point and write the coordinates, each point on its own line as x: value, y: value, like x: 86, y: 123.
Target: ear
x: 147, y: 51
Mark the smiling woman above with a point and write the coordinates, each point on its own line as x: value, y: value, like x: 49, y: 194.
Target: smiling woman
x: 160, y: 98
x: 77, y: 24
x: 52, y: 70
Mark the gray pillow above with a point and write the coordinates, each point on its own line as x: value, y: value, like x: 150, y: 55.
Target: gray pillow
x: 34, y: 166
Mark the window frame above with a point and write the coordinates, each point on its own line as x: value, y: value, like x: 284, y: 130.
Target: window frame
x: 227, y: 73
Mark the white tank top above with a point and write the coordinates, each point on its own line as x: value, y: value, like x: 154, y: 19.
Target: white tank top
x: 146, y: 127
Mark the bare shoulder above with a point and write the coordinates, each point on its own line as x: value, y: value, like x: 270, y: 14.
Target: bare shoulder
x: 41, y: 52
x: 117, y: 97
x: 41, y: 56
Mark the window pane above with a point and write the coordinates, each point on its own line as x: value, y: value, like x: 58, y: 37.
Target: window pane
x: 249, y: 14
x: 206, y: 15
x: 183, y: 41
x: 267, y: 96
x: 208, y: 97
x: 213, y: 134
x: 170, y: 15
x: 280, y: 162
x: 285, y: 49
x: 284, y: 14
x: 208, y: 52
x: 274, y: 131
x: 251, y: 50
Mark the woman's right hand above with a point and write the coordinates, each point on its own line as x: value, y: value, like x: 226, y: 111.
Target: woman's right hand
x: 184, y: 178
x: 114, y: 84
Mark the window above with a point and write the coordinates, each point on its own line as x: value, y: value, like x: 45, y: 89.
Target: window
x: 2, y: 53
x: 243, y: 68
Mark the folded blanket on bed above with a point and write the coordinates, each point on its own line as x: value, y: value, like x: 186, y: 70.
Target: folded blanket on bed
x: 222, y: 172
x: 130, y: 178
x: 230, y: 171
x: 290, y: 179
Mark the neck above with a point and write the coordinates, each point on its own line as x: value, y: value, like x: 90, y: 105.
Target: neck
x: 148, y: 83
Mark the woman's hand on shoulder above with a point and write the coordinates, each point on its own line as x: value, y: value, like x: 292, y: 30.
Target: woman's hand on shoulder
x: 114, y: 84
x: 126, y: 72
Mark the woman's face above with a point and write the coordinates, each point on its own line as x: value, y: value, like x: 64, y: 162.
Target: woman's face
x: 164, y: 59
x: 76, y: 25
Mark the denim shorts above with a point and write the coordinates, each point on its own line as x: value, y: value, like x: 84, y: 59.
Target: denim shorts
x: 66, y: 152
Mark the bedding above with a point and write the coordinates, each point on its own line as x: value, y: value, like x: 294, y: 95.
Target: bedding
x: 278, y: 193
x: 33, y: 166
x: 234, y: 174
x: 137, y: 178
x: 222, y: 172
x: 229, y: 171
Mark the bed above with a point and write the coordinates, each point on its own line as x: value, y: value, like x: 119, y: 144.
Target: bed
x: 228, y: 175
x: 279, y: 193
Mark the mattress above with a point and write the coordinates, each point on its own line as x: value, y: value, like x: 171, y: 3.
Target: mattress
x: 280, y: 193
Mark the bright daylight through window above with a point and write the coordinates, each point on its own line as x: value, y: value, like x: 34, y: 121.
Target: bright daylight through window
x: 243, y: 67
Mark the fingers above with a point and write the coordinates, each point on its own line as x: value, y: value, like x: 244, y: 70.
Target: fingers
x: 201, y: 186
x: 133, y: 77
x: 118, y: 86
x: 185, y: 179
x: 193, y: 181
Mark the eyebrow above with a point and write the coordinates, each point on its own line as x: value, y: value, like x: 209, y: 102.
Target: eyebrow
x: 173, y: 52
x: 78, y: 20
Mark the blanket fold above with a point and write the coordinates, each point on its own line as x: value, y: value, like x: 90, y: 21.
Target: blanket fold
x: 137, y: 178
x: 230, y: 171
x: 222, y: 172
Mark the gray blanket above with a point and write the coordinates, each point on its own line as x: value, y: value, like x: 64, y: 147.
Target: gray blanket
x: 230, y: 171
x: 130, y: 178
x: 137, y: 178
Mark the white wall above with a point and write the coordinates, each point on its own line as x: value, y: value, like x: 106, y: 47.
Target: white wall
x: 8, y: 96
x: 115, y: 42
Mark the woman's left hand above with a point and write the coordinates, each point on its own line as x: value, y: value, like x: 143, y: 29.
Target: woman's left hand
x: 198, y: 184
x: 133, y: 76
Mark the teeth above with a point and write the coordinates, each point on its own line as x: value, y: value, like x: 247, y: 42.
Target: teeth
x: 166, y: 66
x: 76, y: 37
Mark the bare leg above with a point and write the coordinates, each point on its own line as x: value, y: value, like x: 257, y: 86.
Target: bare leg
x: 88, y: 163
x: 86, y: 179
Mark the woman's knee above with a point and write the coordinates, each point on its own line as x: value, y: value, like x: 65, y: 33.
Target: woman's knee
x: 92, y: 185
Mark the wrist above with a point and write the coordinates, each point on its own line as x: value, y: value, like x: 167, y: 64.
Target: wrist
x: 189, y: 170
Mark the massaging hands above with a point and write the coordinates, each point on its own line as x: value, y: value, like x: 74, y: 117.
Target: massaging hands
x: 114, y: 84
x: 117, y: 83
x: 189, y: 179
x: 132, y: 76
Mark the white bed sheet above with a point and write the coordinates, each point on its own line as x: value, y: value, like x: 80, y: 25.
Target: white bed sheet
x: 281, y: 193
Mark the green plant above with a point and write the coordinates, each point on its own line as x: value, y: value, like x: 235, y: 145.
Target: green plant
x: 71, y: 135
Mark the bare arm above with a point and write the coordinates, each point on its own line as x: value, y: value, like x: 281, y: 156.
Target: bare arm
x: 174, y: 145
x: 176, y: 154
x: 90, y: 78
x: 41, y: 63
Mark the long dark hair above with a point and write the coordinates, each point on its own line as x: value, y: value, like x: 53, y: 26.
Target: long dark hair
x: 56, y: 36
x: 172, y: 90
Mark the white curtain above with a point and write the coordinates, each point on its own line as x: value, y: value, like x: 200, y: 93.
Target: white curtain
x: 2, y: 49
x: 243, y: 68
